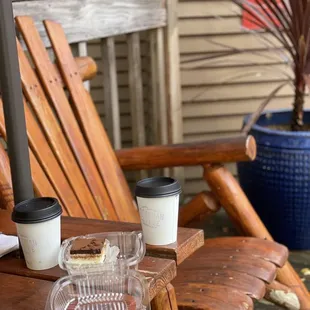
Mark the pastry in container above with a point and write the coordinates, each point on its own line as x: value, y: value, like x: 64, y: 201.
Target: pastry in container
x: 99, y: 252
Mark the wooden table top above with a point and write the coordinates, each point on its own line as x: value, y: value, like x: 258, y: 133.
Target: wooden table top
x: 159, y: 266
x: 23, y: 293
x: 159, y: 272
x: 189, y: 240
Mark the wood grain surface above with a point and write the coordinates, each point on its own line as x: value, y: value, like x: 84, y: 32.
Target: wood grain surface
x: 92, y: 19
x: 241, y: 264
x: 253, y: 247
x: 158, y: 272
x: 214, y: 260
x: 23, y: 293
x: 92, y: 126
x: 60, y: 103
x: 165, y: 299
x: 87, y: 69
x: 206, y: 296
x: 189, y: 240
x: 249, y: 285
x: 42, y: 185
x: 188, y: 154
x: 36, y: 97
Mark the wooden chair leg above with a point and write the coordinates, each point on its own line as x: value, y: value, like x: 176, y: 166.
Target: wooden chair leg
x: 201, y: 206
x: 234, y: 201
x: 165, y: 300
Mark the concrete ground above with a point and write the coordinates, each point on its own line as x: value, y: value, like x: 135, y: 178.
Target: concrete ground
x: 220, y: 225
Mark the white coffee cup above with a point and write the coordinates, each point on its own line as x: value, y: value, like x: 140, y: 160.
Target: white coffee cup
x: 158, y: 203
x: 38, y: 229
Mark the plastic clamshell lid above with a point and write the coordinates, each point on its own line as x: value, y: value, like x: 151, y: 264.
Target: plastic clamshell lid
x: 121, y: 289
x: 130, y: 244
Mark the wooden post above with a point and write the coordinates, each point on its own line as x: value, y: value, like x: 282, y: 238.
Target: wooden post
x: 154, y: 88
x: 153, y: 118
x: 238, y: 207
x: 136, y: 93
x: 111, y: 102
x: 82, y: 51
x: 136, y: 89
x: 175, y: 121
x: 159, y: 98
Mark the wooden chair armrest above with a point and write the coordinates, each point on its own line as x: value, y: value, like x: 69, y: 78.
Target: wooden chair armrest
x: 201, y: 206
x: 87, y: 69
x: 188, y: 154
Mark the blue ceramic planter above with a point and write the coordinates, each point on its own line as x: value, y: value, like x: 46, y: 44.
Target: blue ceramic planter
x: 278, y: 182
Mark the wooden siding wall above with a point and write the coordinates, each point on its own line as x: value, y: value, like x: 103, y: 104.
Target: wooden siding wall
x: 216, y: 93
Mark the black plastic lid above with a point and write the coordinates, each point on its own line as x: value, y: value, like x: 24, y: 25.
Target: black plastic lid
x: 36, y: 210
x: 157, y: 187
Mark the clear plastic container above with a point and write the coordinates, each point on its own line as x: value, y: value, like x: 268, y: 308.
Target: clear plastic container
x: 124, y: 289
x: 131, y: 252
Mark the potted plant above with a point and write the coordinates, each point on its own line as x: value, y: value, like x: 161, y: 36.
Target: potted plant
x: 278, y: 181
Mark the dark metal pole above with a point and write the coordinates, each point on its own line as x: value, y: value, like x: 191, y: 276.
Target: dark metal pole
x: 13, y: 106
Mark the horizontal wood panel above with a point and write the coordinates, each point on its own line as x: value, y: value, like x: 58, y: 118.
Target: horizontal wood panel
x: 244, y: 41
x: 233, y: 91
x: 90, y: 19
x: 223, y: 59
x: 188, y: 9
x: 235, y: 107
x: 213, y: 124
x: 199, y: 137
x: 236, y: 74
x: 209, y: 26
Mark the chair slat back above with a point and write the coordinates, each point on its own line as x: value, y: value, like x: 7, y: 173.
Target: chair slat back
x: 62, y: 164
x: 91, y: 124
x: 50, y: 165
x: 42, y: 185
x: 36, y: 97
x: 60, y: 103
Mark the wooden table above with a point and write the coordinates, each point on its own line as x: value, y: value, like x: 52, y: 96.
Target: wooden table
x: 23, y: 293
x: 158, y: 266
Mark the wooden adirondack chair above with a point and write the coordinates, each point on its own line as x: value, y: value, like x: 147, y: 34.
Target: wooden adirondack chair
x: 72, y: 159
